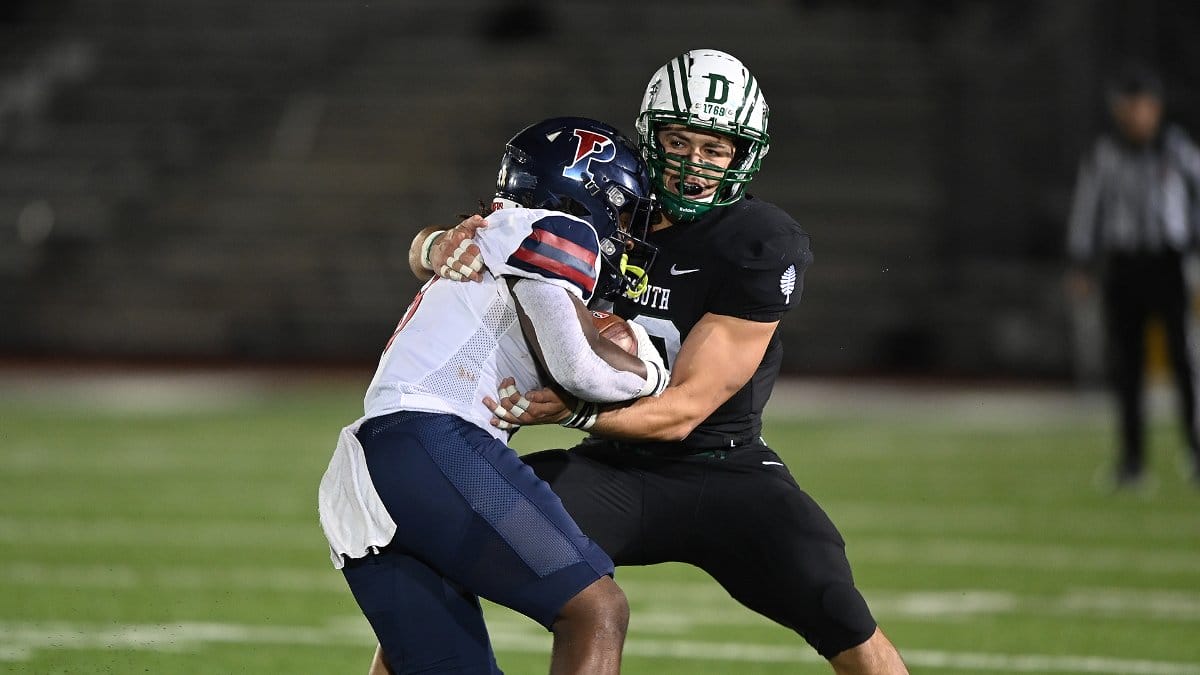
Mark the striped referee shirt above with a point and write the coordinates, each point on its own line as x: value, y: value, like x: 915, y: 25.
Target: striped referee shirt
x: 1136, y: 199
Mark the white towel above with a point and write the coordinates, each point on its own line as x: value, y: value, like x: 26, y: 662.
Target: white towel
x: 352, y: 515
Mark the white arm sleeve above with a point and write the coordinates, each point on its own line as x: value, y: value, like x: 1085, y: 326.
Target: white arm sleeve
x: 570, y: 358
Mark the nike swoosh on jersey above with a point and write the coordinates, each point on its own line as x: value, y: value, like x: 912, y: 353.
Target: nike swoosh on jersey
x: 677, y: 272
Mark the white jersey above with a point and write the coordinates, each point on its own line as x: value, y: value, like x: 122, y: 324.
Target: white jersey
x: 451, y: 348
x: 458, y: 340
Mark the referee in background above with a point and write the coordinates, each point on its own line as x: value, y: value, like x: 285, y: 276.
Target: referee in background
x: 1133, y: 219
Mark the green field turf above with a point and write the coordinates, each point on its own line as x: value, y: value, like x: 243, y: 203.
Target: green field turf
x: 177, y: 533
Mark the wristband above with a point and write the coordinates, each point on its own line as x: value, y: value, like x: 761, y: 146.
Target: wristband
x: 583, y: 416
x: 427, y: 245
x: 657, y: 379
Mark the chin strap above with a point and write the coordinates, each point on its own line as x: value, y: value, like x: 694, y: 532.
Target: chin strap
x: 635, y: 276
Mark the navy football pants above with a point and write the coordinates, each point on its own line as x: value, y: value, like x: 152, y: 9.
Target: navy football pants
x: 472, y: 520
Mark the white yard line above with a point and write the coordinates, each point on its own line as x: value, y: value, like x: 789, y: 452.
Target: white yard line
x: 19, y: 641
x: 145, y: 390
x: 986, y: 405
x: 1011, y: 520
x: 134, y: 391
x: 150, y: 390
x: 1127, y: 603
x: 942, y: 551
x: 184, y: 533
x: 670, y: 608
x: 1038, y: 663
x: 926, y: 549
x: 173, y: 577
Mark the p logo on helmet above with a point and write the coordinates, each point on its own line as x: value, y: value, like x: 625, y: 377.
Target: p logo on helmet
x: 588, y: 170
x: 589, y: 147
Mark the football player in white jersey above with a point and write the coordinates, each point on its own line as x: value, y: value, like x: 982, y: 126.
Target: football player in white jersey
x: 424, y: 505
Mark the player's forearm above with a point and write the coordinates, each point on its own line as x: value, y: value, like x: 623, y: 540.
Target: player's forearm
x: 668, y: 417
x: 718, y: 359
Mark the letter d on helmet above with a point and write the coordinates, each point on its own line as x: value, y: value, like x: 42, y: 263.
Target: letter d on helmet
x: 704, y: 90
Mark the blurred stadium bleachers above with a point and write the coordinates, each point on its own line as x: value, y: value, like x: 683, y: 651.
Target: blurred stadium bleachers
x: 229, y: 180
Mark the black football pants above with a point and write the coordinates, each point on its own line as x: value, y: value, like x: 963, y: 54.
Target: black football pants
x: 737, y: 514
x: 1137, y: 287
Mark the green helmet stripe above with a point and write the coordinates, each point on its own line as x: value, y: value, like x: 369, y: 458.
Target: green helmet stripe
x: 671, y: 80
x: 750, y: 100
x: 683, y: 76
x: 745, y: 98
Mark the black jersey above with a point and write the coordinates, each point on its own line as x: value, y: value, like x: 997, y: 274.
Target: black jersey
x: 746, y: 260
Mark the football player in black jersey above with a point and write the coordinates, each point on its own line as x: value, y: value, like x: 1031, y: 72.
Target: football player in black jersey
x: 686, y: 476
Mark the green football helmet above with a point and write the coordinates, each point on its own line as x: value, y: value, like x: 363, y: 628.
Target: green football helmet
x: 704, y: 90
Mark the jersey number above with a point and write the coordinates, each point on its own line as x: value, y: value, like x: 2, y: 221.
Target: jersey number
x: 663, y: 334
x: 408, y: 313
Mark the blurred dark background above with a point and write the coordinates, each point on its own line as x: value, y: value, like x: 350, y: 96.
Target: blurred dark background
x: 239, y: 181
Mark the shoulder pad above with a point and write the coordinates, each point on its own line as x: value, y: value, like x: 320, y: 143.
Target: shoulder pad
x: 557, y: 247
x: 762, y: 236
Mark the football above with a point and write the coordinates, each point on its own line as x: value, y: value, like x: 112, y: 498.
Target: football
x: 615, y: 329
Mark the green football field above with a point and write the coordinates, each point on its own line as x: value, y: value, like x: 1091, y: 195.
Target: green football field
x: 151, y: 524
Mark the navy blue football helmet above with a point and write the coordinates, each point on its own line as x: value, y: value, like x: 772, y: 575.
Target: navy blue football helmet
x: 587, y: 169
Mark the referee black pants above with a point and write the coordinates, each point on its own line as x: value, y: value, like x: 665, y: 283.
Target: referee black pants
x: 1136, y: 288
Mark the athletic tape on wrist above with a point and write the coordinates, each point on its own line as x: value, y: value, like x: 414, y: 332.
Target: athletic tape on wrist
x: 427, y: 245
x: 664, y: 378
x: 656, y: 379
x: 583, y: 416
